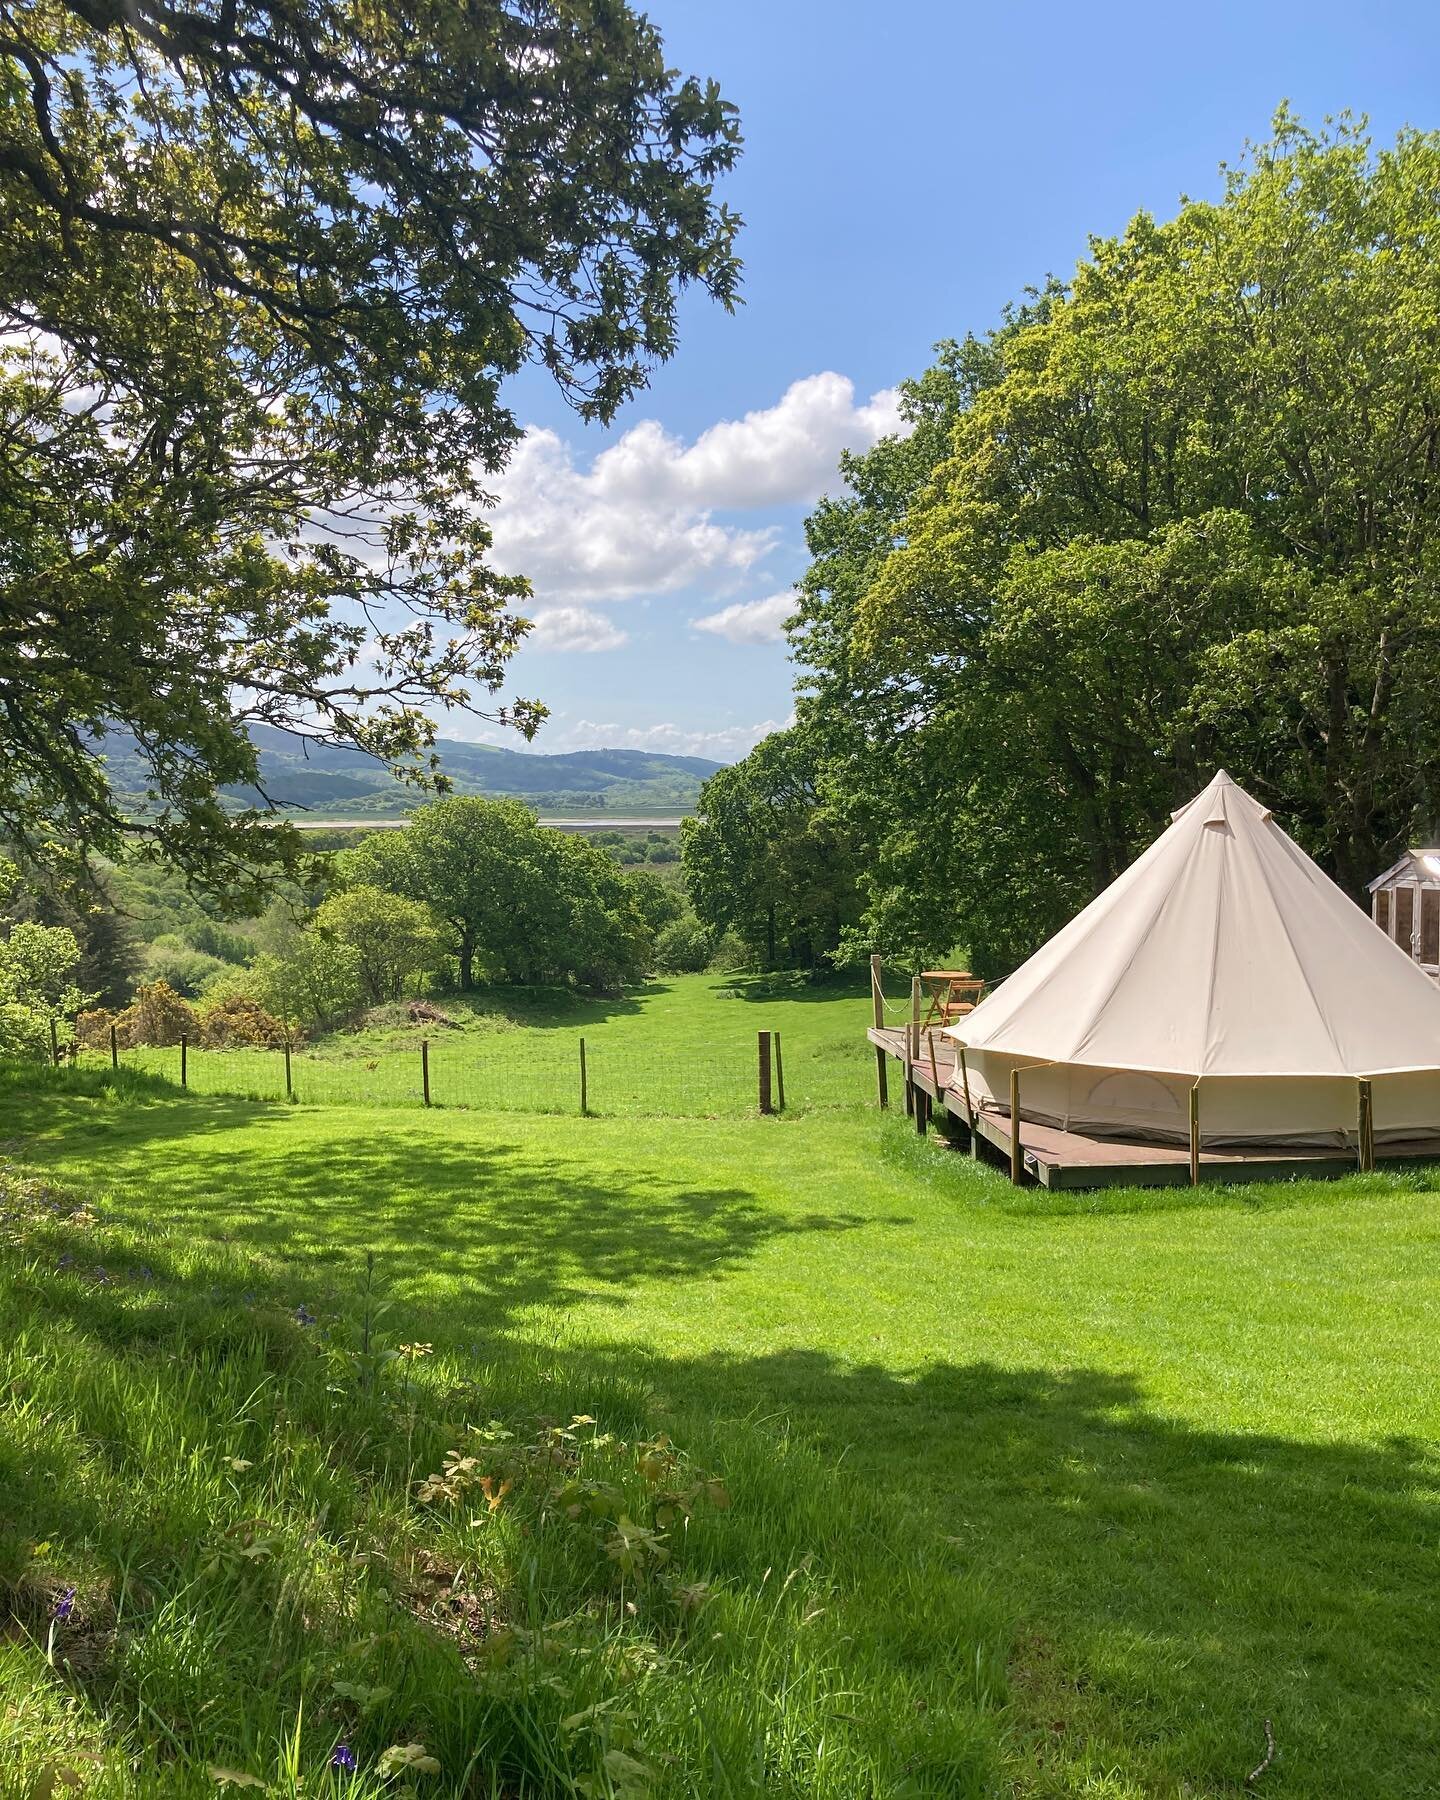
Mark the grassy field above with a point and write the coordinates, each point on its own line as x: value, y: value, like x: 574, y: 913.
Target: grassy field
x: 686, y: 1044
x: 1022, y: 1495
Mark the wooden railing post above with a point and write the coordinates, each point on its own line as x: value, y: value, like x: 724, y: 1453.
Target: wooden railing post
x: 914, y: 1043
x: 1017, y: 1154
x: 877, y: 995
x: 425, y: 1068
x: 764, y: 1053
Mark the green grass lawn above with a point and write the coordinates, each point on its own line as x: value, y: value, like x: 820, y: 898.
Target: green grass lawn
x: 1031, y: 1495
x: 685, y: 1044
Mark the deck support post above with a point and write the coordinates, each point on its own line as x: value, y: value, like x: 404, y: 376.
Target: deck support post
x: 909, y: 1080
x: 969, y: 1104
x: 1017, y: 1154
x: 1195, y: 1135
x: 1365, y: 1134
x: 882, y: 1077
x: 922, y: 1110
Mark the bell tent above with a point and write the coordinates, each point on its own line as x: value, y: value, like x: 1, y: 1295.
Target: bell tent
x: 1222, y: 962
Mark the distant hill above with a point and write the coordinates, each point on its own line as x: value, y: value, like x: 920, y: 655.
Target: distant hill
x: 345, y: 784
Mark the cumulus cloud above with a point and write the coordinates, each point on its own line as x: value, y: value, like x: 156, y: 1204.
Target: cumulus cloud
x: 751, y: 621
x: 573, y: 628
x: 725, y: 744
x: 640, y: 519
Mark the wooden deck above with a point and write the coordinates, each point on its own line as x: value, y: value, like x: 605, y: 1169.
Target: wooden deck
x: 1071, y: 1159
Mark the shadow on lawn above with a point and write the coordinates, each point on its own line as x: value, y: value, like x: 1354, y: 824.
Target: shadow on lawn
x: 1171, y: 1588
x: 550, y: 1233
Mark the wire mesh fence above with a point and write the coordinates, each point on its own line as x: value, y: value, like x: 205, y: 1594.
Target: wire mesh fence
x: 532, y: 1071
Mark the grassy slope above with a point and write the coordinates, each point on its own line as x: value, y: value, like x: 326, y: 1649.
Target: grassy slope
x: 1167, y: 1464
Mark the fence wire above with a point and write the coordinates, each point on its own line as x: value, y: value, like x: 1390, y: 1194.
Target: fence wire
x: 531, y: 1071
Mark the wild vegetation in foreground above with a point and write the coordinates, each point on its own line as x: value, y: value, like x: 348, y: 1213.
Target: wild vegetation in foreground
x: 1020, y: 1493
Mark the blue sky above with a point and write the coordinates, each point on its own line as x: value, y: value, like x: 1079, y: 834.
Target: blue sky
x: 908, y: 169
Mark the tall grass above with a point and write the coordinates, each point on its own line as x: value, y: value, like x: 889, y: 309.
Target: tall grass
x: 222, y: 1560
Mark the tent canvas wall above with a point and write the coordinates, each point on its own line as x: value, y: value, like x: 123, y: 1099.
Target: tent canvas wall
x: 1225, y: 957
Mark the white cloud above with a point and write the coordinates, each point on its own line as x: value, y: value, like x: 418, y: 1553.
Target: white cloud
x: 726, y: 744
x: 640, y: 519
x: 573, y: 628
x: 751, y: 621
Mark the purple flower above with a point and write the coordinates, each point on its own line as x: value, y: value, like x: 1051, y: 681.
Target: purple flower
x: 65, y: 1605
x: 343, y: 1757
x: 303, y: 1315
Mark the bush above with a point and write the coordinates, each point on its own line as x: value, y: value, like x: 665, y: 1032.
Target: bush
x: 186, y: 970
x: 730, y: 954
x: 92, y: 1029
x: 158, y: 1016
x: 683, y: 947
x: 238, y: 1020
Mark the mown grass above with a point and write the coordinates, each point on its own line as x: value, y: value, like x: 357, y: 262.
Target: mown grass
x: 1030, y: 1495
x: 686, y: 1044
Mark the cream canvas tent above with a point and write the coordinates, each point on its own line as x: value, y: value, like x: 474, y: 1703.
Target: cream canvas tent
x: 1224, y: 957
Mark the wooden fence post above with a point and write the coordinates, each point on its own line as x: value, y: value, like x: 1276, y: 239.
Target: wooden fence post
x: 54, y: 1045
x: 425, y: 1068
x: 584, y: 1083
x: 779, y: 1075
x: 1365, y: 1135
x: 184, y: 1052
x: 114, y: 1048
x: 1195, y: 1135
x: 289, y: 1085
x: 764, y: 1049
x: 1017, y: 1154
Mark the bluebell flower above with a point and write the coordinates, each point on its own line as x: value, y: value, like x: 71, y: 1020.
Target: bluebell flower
x: 343, y: 1757
x: 303, y: 1315
x: 65, y: 1605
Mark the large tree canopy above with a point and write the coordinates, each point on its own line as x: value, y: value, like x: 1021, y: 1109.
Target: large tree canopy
x: 766, y: 859
x: 267, y: 266
x: 1184, y: 511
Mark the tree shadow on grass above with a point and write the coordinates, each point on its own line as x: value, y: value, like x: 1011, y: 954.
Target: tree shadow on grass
x: 1170, y: 1588
x: 547, y: 1233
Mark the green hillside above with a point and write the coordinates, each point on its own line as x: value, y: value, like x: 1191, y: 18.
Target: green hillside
x: 345, y: 784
